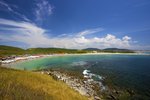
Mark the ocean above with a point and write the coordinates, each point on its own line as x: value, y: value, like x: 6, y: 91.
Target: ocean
x: 120, y: 70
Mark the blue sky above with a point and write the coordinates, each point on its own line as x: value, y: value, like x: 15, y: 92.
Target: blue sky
x: 75, y: 23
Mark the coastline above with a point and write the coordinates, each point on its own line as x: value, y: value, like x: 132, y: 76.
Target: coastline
x: 85, y: 84
x: 24, y: 58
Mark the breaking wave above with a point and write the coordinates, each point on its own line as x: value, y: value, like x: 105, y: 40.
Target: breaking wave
x: 94, y: 78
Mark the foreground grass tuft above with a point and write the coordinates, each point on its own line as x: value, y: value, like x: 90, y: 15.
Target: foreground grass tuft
x: 25, y: 85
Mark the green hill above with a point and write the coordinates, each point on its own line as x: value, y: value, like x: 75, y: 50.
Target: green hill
x: 52, y: 50
x: 92, y: 49
x: 117, y: 50
x: 9, y: 50
x: 25, y: 85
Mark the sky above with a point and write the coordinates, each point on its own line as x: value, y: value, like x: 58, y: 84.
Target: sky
x: 75, y: 24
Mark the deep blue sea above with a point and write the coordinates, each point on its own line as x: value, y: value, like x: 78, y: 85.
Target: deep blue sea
x: 124, y: 71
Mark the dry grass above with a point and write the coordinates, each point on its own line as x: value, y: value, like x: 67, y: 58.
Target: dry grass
x: 25, y: 85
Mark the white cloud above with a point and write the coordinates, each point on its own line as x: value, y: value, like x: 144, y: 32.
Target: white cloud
x: 23, y: 32
x: 34, y: 36
x: 43, y: 8
x: 104, y: 42
x: 126, y: 38
x: 9, y: 8
x: 2, y: 3
x: 89, y: 31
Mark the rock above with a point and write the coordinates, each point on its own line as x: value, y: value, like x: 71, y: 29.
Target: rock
x: 112, y: 97
x: 83, y: 91
x: 83, y: 86
x: 131, y: 92
x: 97, y: 98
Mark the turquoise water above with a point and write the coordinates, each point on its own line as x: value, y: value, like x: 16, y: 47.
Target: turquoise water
x: 125, y: 71
x: 148, y: 52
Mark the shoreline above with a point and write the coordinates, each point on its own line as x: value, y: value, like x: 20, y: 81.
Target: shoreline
x: 24, y: 58
x: 87, y: 86
x: 84, y: 85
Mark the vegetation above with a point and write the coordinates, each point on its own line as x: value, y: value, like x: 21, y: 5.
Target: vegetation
x: 91, y: 49
x: 25, y: 85
x: 116, y: 50
x: 9, y: 51
x: 52, y: 51
x: 109, y: 50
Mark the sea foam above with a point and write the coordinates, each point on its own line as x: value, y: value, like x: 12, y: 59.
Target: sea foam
x: 90, y: 78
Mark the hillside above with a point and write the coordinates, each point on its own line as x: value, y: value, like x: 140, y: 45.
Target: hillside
x: 92, y: 49
x: 118, y: 50
x: 52, y: 50
x: 24, y: 85
x: 109, y: 50
x: 9, y: 50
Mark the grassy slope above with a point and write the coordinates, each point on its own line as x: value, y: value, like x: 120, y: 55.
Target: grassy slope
x: 9, y: 50
x: 24, y: 85
x: 51, y: 50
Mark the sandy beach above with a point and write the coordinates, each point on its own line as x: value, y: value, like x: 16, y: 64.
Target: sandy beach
x: 24, y: 58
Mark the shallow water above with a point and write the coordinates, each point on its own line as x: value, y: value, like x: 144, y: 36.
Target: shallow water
x: 125, y: 71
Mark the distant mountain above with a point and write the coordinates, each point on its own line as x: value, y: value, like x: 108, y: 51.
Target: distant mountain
x: 114, y: 49
x: 110, y: 50
x: 9, y: 50
x: 92, y: 49
x: 118, y: 50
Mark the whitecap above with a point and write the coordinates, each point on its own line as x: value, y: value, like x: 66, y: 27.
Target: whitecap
x: 86, y: 72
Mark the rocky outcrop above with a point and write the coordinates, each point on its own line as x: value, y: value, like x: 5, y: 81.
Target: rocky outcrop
x: 84, y: 86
